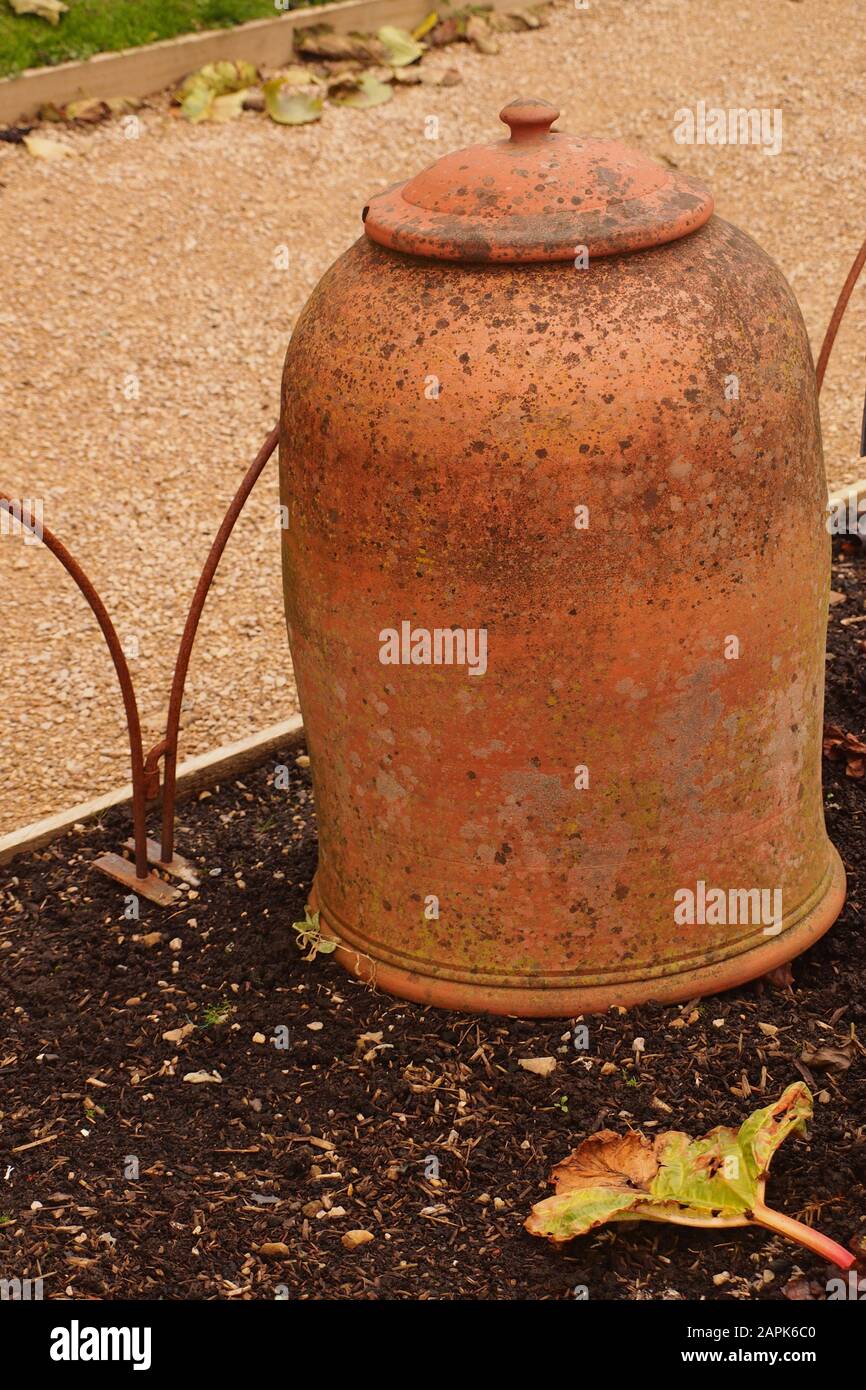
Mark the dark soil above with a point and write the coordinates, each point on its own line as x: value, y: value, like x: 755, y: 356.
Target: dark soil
x: 337, y: 1132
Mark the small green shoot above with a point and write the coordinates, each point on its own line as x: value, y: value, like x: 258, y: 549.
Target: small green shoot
x: 216, y: 1014
x: 309, y: 935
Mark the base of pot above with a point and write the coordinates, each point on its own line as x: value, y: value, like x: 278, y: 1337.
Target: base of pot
x: 570, y: 1001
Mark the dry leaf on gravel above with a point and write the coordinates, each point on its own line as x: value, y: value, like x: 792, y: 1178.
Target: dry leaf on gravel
x: 319, y: 41
x: 479, y: 33
x: 89, y: 110
x: 199, y: 93
x: 297, y: 75
x: 286, y: 104
x: 228, y: 107
x: 360, y: 92
x: 426, y: 25
x: 40, y: 148
x: 514, y: 21
x: 448, y: 31
x: 400, y: 46
x: 716, y: 1181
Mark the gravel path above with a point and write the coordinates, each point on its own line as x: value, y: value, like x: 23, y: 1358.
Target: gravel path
x: 155, y: 263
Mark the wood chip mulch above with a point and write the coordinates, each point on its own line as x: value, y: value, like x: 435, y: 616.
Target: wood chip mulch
x: 120, y: 1179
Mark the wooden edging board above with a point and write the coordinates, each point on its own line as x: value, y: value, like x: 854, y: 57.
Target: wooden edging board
x: 139, y: 72
x: 229, y: 760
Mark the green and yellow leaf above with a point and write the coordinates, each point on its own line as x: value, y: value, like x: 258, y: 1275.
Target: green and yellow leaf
x: 718, y: 1180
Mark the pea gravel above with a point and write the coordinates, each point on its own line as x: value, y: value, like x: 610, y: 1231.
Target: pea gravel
x: 149, y: 287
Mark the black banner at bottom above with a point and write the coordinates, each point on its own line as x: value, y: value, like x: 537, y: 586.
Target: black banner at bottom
x: 63, y: 1338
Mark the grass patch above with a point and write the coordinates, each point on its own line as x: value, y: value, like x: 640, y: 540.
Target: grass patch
x: 103, y: 26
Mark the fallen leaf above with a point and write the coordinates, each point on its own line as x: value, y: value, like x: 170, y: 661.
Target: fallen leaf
x: 360, y: 92
x: 297, y: 75
x: 541, y: 1066
x: 203, y: 1078
x: 200, y: 92
x: 89, y: 110
x: 198, y: 103
x: 44, y: 9
x: 228, y: 107
x: 287, y: 105
x: 479, y: 33
x: 119, y: 106
x: 716, y: 1181
x: 781, y: 977
x: 828, y: 1058
x: 513, y: 21
x: 227, y: 76
x: 447, y: 31
x: 400, y: 47
x: 426, y: 25
x: 838, y: 744
x: 319, y: 41
x: 41, y: 148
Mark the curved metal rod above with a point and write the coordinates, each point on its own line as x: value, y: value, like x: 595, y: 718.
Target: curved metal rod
x: 133, y: 724
x: 185, y: 649
x: 838, y: 312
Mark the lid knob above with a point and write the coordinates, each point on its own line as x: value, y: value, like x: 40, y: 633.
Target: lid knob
x: 528, y: 118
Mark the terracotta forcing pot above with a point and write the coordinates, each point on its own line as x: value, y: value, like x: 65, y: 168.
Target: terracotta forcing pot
x: 556, y: 579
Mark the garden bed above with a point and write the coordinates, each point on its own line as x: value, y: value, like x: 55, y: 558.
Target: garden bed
x: 105, y: 26
x: 292, y: 1148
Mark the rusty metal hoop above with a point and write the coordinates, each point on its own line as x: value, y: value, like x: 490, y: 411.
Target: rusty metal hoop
x: 838, y: 314
x: 121, y: 666
x: 167, y: 747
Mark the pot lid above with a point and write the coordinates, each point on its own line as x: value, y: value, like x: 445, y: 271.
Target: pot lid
x: 539, y: 196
